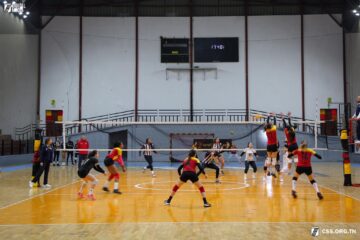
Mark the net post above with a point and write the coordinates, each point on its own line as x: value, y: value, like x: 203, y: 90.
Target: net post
x: 316, y: 134
x: 344, y: 137
x: 63, y: 134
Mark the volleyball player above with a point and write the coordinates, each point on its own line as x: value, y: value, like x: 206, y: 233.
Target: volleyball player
x: 217, y: 150
x: 249, y: 152
x: 210, y: 162
x: 289, y: 130
x: 304, y: 166
x: 84, y: 173
x: 272, y: 145
x: 148, y: 149
x: 189, y: 173
x: 115, y: 155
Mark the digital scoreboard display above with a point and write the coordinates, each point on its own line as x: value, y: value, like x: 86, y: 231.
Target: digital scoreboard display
x: 174, y: 50
x: 216, y: 49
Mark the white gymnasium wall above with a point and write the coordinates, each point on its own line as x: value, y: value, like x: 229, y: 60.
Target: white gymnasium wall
x: 18, y: 80
x: 353, y: 70
x: 155, y: 91
x: 228, y: 89
x: 108, y: 65
x: 275, y: 63
x: 109, y: 74
x: 323, y: 63
x: 60, y: 66
x: 18, y: 73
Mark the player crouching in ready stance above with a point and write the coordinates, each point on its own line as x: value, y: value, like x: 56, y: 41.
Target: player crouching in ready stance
x: 189, y: 173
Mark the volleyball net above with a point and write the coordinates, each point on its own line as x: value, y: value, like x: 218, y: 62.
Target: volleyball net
x: 173, y: 140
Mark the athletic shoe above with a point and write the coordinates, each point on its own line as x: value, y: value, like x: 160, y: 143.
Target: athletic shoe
x: 31, y: 184
x: 106, y: 189
x: 222, y: 172
x: 91, y: 197
x: 58, y: 164
x: 206, y: 205
x: 254, y: 175
x: 47, y: 186
x: 217, y: 181
x: 320, y: 196
x: 116, y: 191
x: 273, y: 174
x: 293, y: 193
x: 281, y: 179
x: 54, y: 164
x: 153, y: 175
x: 80, y: 195
x: 144, y: 169
x: 264, y: 178
x: 166, y: 203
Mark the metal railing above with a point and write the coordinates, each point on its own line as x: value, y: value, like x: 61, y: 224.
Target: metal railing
x: 166, y: 115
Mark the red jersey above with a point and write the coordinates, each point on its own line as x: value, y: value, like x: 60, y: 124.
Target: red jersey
x: 304, y: 157
x: 190, y: 165
x: 83, y: 144
x: 36, y: 157
x: 116, y: 155
x: 271, y: 136
x: 288, y: 138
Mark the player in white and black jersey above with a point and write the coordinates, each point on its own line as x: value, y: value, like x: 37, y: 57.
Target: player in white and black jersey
x: 210, y: 161
x: 250, y: 154
x: 148, y: 149
x: 217, y: 150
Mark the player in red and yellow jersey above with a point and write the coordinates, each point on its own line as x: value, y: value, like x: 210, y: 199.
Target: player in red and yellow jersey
x: 189, y: 173
x: 304, y: 166
x: 291, y: 141
x: 111, y: 158
x: 272, y: 145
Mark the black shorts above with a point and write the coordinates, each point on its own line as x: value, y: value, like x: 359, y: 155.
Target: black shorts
x: 185, y: 176
x: 306, y: 170
x: 108, y: 162
x: 272, y: 148
x: 82, y: 173
x: 217, y: 154
x: 293, y: 147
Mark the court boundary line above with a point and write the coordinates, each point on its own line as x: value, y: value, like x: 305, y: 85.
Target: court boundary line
x: 38, y: 195
x: 185, y: 222
x: 59, y: 187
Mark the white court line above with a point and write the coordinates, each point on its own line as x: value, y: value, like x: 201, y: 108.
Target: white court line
x: 38, y: 195
x: 340, y: 193
x: 152, y: 223
x: 139, y: 186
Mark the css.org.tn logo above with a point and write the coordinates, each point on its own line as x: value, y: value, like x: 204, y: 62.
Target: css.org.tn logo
x: 315, y: 231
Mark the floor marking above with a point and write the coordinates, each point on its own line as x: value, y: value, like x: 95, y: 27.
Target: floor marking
x: 38, y: 195
x: 140, y: 186
x: 135, y: 223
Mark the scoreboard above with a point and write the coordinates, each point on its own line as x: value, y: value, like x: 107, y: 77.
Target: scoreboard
x: 174, y: 50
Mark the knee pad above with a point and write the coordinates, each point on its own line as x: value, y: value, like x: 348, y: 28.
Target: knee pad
x: 95, y: 182
x: 255, y: 169
x: 265, y: 168
x: 294, y: 178
x: 175, y: 188
x: 277, y: 167
x: 111, y: 176
x: 201, y: 189
x: 312, y: 181
x: 116, y: 176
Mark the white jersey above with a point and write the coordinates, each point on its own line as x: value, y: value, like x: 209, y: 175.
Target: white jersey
x: 249, y: 154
